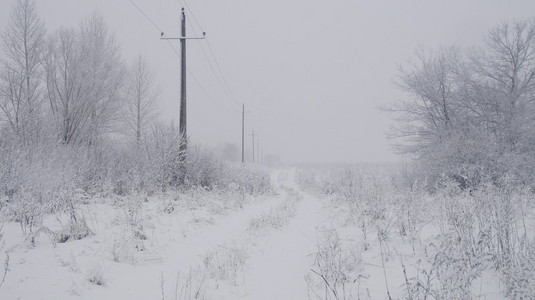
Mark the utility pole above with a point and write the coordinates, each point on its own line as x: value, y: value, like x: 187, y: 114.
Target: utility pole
x: 258, y: 158
x: 183, y: 107
x: 253, y: 145
x: 243, y: 133
x: 262, y: 154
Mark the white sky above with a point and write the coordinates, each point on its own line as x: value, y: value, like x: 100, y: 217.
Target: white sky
x: 311, y: 71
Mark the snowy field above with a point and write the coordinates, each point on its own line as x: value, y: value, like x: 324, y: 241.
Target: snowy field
x: 341, y: 233
x: 105, y: 194
x: 193, y: 245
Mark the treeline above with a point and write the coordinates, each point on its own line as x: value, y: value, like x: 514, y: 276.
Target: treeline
x: 75, y: 119
x: 470, y: 114
x: 71, y: 85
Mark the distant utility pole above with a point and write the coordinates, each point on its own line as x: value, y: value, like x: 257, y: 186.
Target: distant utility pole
x: 243, y: 133
x: 258, y: 159
x: 183, y: 111
x: 253, y: 145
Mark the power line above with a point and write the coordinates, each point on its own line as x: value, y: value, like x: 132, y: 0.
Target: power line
x: 147, y: 17
x: 228, y: 89
x: 216, y: 76
x: 193, y: 15
x: 220, y: 78
x: 227, y: 86
x: 198, y: 82
x: 218, y: 66
x: 176, y: 53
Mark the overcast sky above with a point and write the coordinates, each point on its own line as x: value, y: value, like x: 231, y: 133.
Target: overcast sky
x: 312, y: 72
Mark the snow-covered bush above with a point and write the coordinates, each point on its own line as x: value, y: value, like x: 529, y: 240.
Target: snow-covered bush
x: 336, y: 269
x: 57, y: 178
x: 4, y: 258
x: 95, y: 274
x: 225, y: 262
x: 478, y: 230
x: 449, y: 270
x: 74, y: 230
x: 278, y: 216
x: 207, y: 169
x: 450, y: 234
x: 520, y: 276
x: 127, y: 238
x: 414, y: 211
x: 37, y: 181
x: 190, y: 286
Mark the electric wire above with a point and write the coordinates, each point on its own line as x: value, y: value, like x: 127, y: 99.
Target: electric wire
x: 147, y: 17
x: 218, y: 75
x: 210, y: 64
x: 176, y: 53
x: 227, y: 86
x: 198, y: 82
x: 218, y: 66
x: 193, y: 15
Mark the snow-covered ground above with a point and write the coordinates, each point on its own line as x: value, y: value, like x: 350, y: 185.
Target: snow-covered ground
x: 291, y: 244
x: 184, y: 245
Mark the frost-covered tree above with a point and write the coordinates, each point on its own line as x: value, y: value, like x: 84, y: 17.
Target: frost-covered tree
x: 430, y: 114
x: 21, y: 71
x: 164, y: 155
x: 84, y: 74
x: 141, y: 97
x: 506, y: 84
x: 64, y: 83
x: 471, y: 115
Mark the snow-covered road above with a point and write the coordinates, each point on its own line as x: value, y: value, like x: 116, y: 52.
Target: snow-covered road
x: 146, y: 281
x: 275, y: 259
x: 280, y: 259
x: 278, y: 268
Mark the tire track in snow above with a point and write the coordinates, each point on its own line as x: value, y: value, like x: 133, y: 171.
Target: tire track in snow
x: 280, y: 261
x: 146, y: 281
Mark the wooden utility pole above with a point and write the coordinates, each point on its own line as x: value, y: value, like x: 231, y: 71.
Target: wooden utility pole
x: 183, y: 107
x: 258, y: 149
x: 243, y: 133
x: 261, y: 154
x: 253, y: 145
x: 183, y: 110
x: 183, y: 71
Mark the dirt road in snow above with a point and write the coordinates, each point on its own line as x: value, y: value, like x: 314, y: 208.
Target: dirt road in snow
x: 147, y: 281
x: 276, y: 256
x: 277, y: 269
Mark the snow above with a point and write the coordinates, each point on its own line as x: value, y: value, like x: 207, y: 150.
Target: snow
x: 213, y: 247
x: 173, y: 247
x: 282, y: 260
x: 278, y: 272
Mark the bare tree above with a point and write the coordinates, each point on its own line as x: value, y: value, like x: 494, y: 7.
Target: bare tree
x: 64, y: 86
x: 21, y: 74
x: 84, y: 73
x: 473, y: 118
x: 105, y: 74
x: 507, y: 83
x: 428, y: 116
x: 141, y: 97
